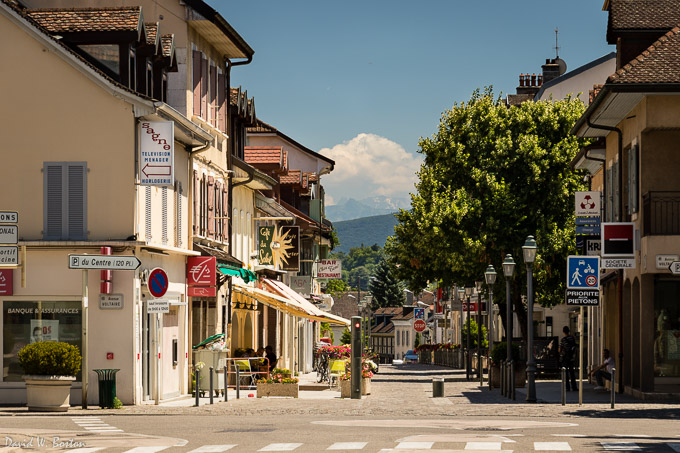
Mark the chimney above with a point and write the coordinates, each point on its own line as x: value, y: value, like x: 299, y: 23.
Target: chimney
x: 533, y: 80
x: 551, y: 70
x: 521, y: 80
x: 540, y: 80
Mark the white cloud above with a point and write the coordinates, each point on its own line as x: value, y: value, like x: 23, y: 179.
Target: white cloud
x: 369, y: 165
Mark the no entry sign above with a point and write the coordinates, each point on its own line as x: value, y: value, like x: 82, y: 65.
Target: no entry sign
x: 618, y: 239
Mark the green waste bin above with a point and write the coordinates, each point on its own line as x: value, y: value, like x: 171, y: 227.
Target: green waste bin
x: 107, y: 386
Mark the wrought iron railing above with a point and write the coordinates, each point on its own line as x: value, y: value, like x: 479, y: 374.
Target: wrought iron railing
x: 661, y: 212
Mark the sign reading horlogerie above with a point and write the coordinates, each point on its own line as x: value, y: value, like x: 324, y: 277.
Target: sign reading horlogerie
x: 329, y: 269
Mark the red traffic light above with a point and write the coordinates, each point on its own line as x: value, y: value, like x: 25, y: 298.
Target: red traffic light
x: 357, y: 325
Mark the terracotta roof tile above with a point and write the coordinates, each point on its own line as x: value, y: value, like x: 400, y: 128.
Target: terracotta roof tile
x: 261, y: 126
x: 263, y: 155
x: 151, y: 32
x: 660, y: 63
x: 644, y: 14
x: 88, y: 19
x: 405, y: 317
x: 293, y: 177
x: 168, y: 43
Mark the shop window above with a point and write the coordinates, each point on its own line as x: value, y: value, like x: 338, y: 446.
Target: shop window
x: 25, y: 322
x: 666, y: 329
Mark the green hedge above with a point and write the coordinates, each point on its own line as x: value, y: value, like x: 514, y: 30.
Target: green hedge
x: 500, y: 352
x: 50, y: 358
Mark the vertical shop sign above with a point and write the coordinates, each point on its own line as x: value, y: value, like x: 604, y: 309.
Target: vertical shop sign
x: 6, y: 282
x: 264, y: 245
x: 157, y: 153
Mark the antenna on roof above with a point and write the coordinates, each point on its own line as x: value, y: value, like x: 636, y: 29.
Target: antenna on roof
x: 557, y: 48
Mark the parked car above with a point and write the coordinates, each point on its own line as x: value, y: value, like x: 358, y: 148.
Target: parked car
x: 410, y: 357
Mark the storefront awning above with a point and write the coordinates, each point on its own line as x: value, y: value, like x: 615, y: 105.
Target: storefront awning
x: 287, y: 291
x: 246, y: 275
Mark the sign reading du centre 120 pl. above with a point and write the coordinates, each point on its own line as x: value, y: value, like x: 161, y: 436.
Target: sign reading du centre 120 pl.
x: 156, y: 153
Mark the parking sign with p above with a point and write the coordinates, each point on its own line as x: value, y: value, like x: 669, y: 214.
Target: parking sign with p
x: 583, y: 272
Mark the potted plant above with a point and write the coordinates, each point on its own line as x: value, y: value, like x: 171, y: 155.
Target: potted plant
x: 279, y: 383
x: 50, y: 368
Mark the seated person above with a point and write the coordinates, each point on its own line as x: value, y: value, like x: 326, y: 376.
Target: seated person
x: 604, y: 371
x: 269, y: 354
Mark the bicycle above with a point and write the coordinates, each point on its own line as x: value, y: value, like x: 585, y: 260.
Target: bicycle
x: 322, y: 368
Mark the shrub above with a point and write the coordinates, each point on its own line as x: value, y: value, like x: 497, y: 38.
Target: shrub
x: 50, y: 358
x: 500, y: 352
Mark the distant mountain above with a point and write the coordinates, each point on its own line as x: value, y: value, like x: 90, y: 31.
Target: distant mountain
x: 349, y: 208
x: 367, y: 231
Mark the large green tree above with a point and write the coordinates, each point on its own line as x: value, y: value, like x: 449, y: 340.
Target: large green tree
x: 493, y: 175
x: 385, y: 287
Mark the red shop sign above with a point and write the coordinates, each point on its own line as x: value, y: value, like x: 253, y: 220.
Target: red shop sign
x: 6, y: 282
x: 201, y: 270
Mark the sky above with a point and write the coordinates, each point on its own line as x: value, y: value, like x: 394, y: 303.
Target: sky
x: 362, y: 81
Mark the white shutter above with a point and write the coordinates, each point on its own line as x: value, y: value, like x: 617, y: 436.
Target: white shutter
x: 164, y: 214
x: 147, y: 213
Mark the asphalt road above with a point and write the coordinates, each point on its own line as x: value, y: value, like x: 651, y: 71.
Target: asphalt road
x: 399, y: 416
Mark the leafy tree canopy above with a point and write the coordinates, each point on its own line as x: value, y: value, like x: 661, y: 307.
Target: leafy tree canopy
x: 493, y: 175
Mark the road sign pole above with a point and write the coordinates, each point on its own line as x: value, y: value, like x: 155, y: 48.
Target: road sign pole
x: 580, y: 356
x: 83, y: 340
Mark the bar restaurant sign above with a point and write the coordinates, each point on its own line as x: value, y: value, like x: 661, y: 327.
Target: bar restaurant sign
x: 156, y: 153
x: 279, y: 246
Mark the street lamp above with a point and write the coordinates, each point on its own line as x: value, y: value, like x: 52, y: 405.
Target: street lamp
x: 468, y: 360
x: 480, y: 373
x: 461, y: 295
x: 508, y: 270
x: 529, y: 250
x: 490, y: 276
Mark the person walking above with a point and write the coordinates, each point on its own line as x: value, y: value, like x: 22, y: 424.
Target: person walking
x: 567, y: 353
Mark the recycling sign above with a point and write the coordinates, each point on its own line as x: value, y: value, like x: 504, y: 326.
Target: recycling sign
x: 587, y: 203
x: 583, y: 272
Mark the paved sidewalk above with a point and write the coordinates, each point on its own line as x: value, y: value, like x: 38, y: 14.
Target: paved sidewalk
x: 399, y: 391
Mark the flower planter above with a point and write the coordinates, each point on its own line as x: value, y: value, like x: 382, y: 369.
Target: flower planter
x: 520, y: 375
x: 289, y: 390
x: 48, y: 393
x: 365, y: 386
x: 345, y: 389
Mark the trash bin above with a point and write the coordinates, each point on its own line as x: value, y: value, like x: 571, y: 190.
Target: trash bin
x: 107, y: 386
x: 437, y: 387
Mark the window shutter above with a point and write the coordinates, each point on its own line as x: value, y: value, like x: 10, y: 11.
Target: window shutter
x: 634, y: 187
x: 213, y: 96
x: 197, y: 210
x: 147, y: 213
x: 197, y: 81
x: 204, y: 205
x: 221, y: 100
x: 178, y: 214
x: 211, y: 206
x: 54, y: 203
x: 610, y: 196
x: 164, y: 214
x: 204, y: 89
x: 225, y: 210
x: 218, y: 210
x: 76, y: 201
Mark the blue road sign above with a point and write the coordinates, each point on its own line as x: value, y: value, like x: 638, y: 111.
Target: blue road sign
x: 590, y: 230
x: 583, y: 272
x: 419, y: 313
x: 591, y: 221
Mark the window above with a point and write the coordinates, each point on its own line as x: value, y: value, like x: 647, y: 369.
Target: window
x: 398, y: 342
x: 26, y: 322
x: 65, y: 201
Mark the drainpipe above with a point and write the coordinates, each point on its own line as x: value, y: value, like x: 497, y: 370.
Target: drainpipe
x: 619, y: 276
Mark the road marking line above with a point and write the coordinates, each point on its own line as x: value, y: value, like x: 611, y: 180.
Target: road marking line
x: 674, y: 446
x: 280, y: 447
x: 106, y: 430
x: 620, y: 446
x: 568, y: 435
x: 347, y: 446
x: 213, y: 448
x: 86, y: 450
x: 414, y: 445
x: 483, y: 446
x: 552, y: 446
x: 632, y: 435
x: 145, y: 449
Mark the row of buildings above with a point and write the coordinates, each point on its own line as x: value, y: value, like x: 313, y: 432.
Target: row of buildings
x: 123, y: 137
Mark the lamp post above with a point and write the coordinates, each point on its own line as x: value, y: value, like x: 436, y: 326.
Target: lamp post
x: 480, y: 372
x: 490, y: 277
x: 529, y: 251
x: 508, y: 270
x: 468, y: 359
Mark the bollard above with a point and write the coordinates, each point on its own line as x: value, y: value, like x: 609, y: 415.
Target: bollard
x: 238, y: 383
x: 564, y: 386
x: 197, y: 377
x: 226, y: 387
x: 512, y: 380
x: 211, y: 385
x: 437, y: 387
x: 613, y: 387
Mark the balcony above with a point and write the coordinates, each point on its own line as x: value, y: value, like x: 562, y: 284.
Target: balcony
x: 661, y: 213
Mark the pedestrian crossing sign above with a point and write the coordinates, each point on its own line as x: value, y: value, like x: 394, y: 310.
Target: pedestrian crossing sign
x: 583, y: 272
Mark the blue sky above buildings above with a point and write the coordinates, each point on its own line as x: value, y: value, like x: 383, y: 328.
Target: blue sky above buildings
x: 362, y: 81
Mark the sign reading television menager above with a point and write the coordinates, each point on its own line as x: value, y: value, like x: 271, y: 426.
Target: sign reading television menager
x: 157, y: 153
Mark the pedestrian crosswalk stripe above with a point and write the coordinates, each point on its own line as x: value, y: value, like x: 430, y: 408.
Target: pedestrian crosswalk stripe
x: 552, y: 446
x: 347, y: 446
x: 483, y: 446
x: 620, y: 446
x: 674, y: 446
x: 213, y: 448
x: 280, y: 447
x: 145, y: 449
x: 414, y: 445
